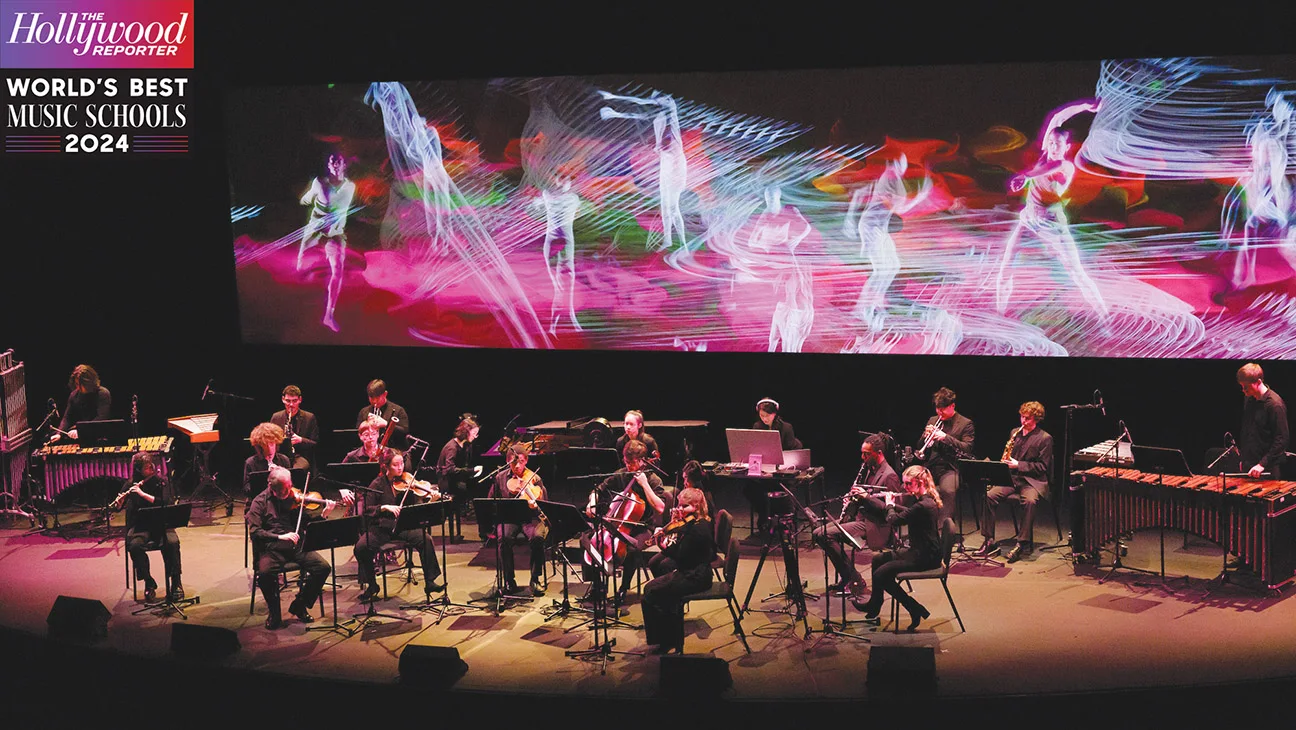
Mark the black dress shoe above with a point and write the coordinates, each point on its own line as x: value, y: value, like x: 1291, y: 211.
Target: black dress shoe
x: 433, y: 587
x: 1015, y: 554
x: 150, y: 593
x: 510, y: 587
x: 274, y: 623
x: 301, y: 612
x: 369, y: 593
x: 987, y: 550
x: 536, y: 588
x: 177, y: 592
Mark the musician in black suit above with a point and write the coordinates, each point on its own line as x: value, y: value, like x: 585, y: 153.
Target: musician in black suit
x: 272, y: 520
x: 634, y: 431
x: 1265, y: 434
x: 642, y: 487
x: 88, y: 401
x: 1029, y: 456
x: 874, y: 472
x: 949, y: 436
x: 921, y: 512
x: 265, y: 439
x: 382, y: 412
x: 454, y: 473
x: 300, y: 427
x: 148, y: 489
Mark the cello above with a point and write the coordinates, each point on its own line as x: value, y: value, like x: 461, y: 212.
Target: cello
x: 608, y: 545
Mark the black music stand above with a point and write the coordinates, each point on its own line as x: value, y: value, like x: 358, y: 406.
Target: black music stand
x: 423, y: 516
x: 599, y: 620
x: 496, y: 513
x: 111, y: 432
x: 566, y: 521
x: 156, y: 521
x: 986, y: 473
x: 333, y: 534
x: 830, y: 628
x: 359, y: 473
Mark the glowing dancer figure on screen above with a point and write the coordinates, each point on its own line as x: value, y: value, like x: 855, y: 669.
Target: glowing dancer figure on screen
x: 672, y: 166
x: 1046, y: 185
x: 794, y: 315
x: 886, y: 198
x: 329, y: 198
x: 561, y: 208
x: 1266, y: 192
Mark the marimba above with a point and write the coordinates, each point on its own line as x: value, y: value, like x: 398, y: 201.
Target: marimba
x: 1253, y: 519
x: 67, y: 465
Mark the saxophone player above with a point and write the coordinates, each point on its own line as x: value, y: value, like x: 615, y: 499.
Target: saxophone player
x: 948, y: 437
x: 874, y: 472
x: 1029, y: 456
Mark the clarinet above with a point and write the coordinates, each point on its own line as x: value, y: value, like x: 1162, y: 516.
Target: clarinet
x: 848, y: 499
x: 288, y: 433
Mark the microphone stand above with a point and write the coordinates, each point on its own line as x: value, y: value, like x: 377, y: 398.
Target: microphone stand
x: 1067, y: 466
x: 1117, y: 564
x: 1219, y: 513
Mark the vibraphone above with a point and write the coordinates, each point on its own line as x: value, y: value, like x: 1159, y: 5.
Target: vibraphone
x: 1253, y: 519
x: 67, y: 465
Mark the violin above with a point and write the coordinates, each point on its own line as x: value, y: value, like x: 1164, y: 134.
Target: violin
x: 409, y: 485
x: 313, y: 501
x: 671, y: 532
x: 525, y: 487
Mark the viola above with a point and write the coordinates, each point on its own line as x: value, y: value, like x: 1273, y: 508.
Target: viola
x: 409, y: 485
x: 313, y: 501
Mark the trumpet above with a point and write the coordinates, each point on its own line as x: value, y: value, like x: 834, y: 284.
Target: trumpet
x: 931, y: 438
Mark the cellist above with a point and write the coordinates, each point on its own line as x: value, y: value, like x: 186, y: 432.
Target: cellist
x: 396, y: 489
x: 519, y: 482
x: 638, y: 493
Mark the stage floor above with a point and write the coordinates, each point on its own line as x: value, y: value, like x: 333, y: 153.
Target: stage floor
x: 1042, y: 625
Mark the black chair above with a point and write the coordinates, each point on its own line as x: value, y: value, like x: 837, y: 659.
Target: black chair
x: 723, y: 532
x: 282, y: 576
x: 131, y: 580
x: 723, y: 590
x: 949, y: 534
x: 408, y: 565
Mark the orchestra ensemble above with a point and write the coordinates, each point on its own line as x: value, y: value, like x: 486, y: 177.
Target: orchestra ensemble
x: 897, y: 506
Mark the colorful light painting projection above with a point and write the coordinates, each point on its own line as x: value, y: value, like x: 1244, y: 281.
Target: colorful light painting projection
x: 1144, y: 208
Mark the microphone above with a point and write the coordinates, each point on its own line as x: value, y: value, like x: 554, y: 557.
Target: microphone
x: 1228, y: 438
x: 207, y: 389
x: 1101, y: 403
x: 52, y: 404
x: 1125, y: 432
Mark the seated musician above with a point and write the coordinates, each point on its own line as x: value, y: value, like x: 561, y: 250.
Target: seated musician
x: 634, y: 431
x: 694, y: 478
x: 382, y: 413
x: 300, y: 427
x: 948, y: 436
x: 767, y: 410
x: 383, y: 511
x: 642, y: 488
x: 874, y: 472
x: 1029, y: 456
x: 508, y: 484
x: 272, y: 520
x: 368, y: 450
x: 150, y: 490
x: 88, y: 401
x: 921, y: 512
x: 265, y: 439
x: 691, y: 552
x: 454, y: 474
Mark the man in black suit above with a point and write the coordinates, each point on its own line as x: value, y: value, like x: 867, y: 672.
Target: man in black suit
x: 949, y: 436
x: 301, y: 430
x: 1029, y: 456
x: 382, y: 412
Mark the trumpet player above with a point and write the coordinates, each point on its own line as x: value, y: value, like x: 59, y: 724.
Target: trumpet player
x: 516, y: 482
x: 1029, y: 456
x: 948, y: 437
x: 874, y: 472
x: 150, y: 490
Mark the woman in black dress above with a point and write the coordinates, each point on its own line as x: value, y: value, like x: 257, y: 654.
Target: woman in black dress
x: 691, y: 552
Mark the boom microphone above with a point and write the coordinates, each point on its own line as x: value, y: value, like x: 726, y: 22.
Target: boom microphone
x: 207, y: 389
x: 1101, y: 403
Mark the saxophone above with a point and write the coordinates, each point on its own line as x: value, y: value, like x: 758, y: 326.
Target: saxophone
x: 1008, y: 447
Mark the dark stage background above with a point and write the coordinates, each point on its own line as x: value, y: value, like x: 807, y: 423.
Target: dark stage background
x: 125, y: 263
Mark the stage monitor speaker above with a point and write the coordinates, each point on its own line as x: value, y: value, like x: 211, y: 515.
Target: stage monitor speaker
x: 694, y: 677
x: 79, y: 619
x: 901, y: 672
x: 203, y: 642
x: 437, y: 667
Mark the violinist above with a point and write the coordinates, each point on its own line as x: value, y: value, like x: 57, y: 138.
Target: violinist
x: 521, y: 483
x: 383, y: 413
x: 691, y: 551
x: 634, y: 431
x: 639, y: 493
x: 454, y: 473
x: 368, y: 449
x: 273, y: 519
x: 397, y: 489
x: 694, y: 478
x: 265, y: 438
x: 150, y: 490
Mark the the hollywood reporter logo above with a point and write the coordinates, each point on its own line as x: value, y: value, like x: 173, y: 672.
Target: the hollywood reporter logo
x: 136, y: 34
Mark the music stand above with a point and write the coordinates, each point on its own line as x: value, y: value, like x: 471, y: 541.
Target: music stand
x: 423, y: 516
x: 565, y: 522
x: 359, y: 473
x: 156, y: 521
x: 333, y: 534
x: 109, y: 432
x: 830, y: 628
x: 986, y: 473
x: 497, y: 513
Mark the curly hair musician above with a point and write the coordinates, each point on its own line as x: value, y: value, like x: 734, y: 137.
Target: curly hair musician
x: 1029, y: 456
